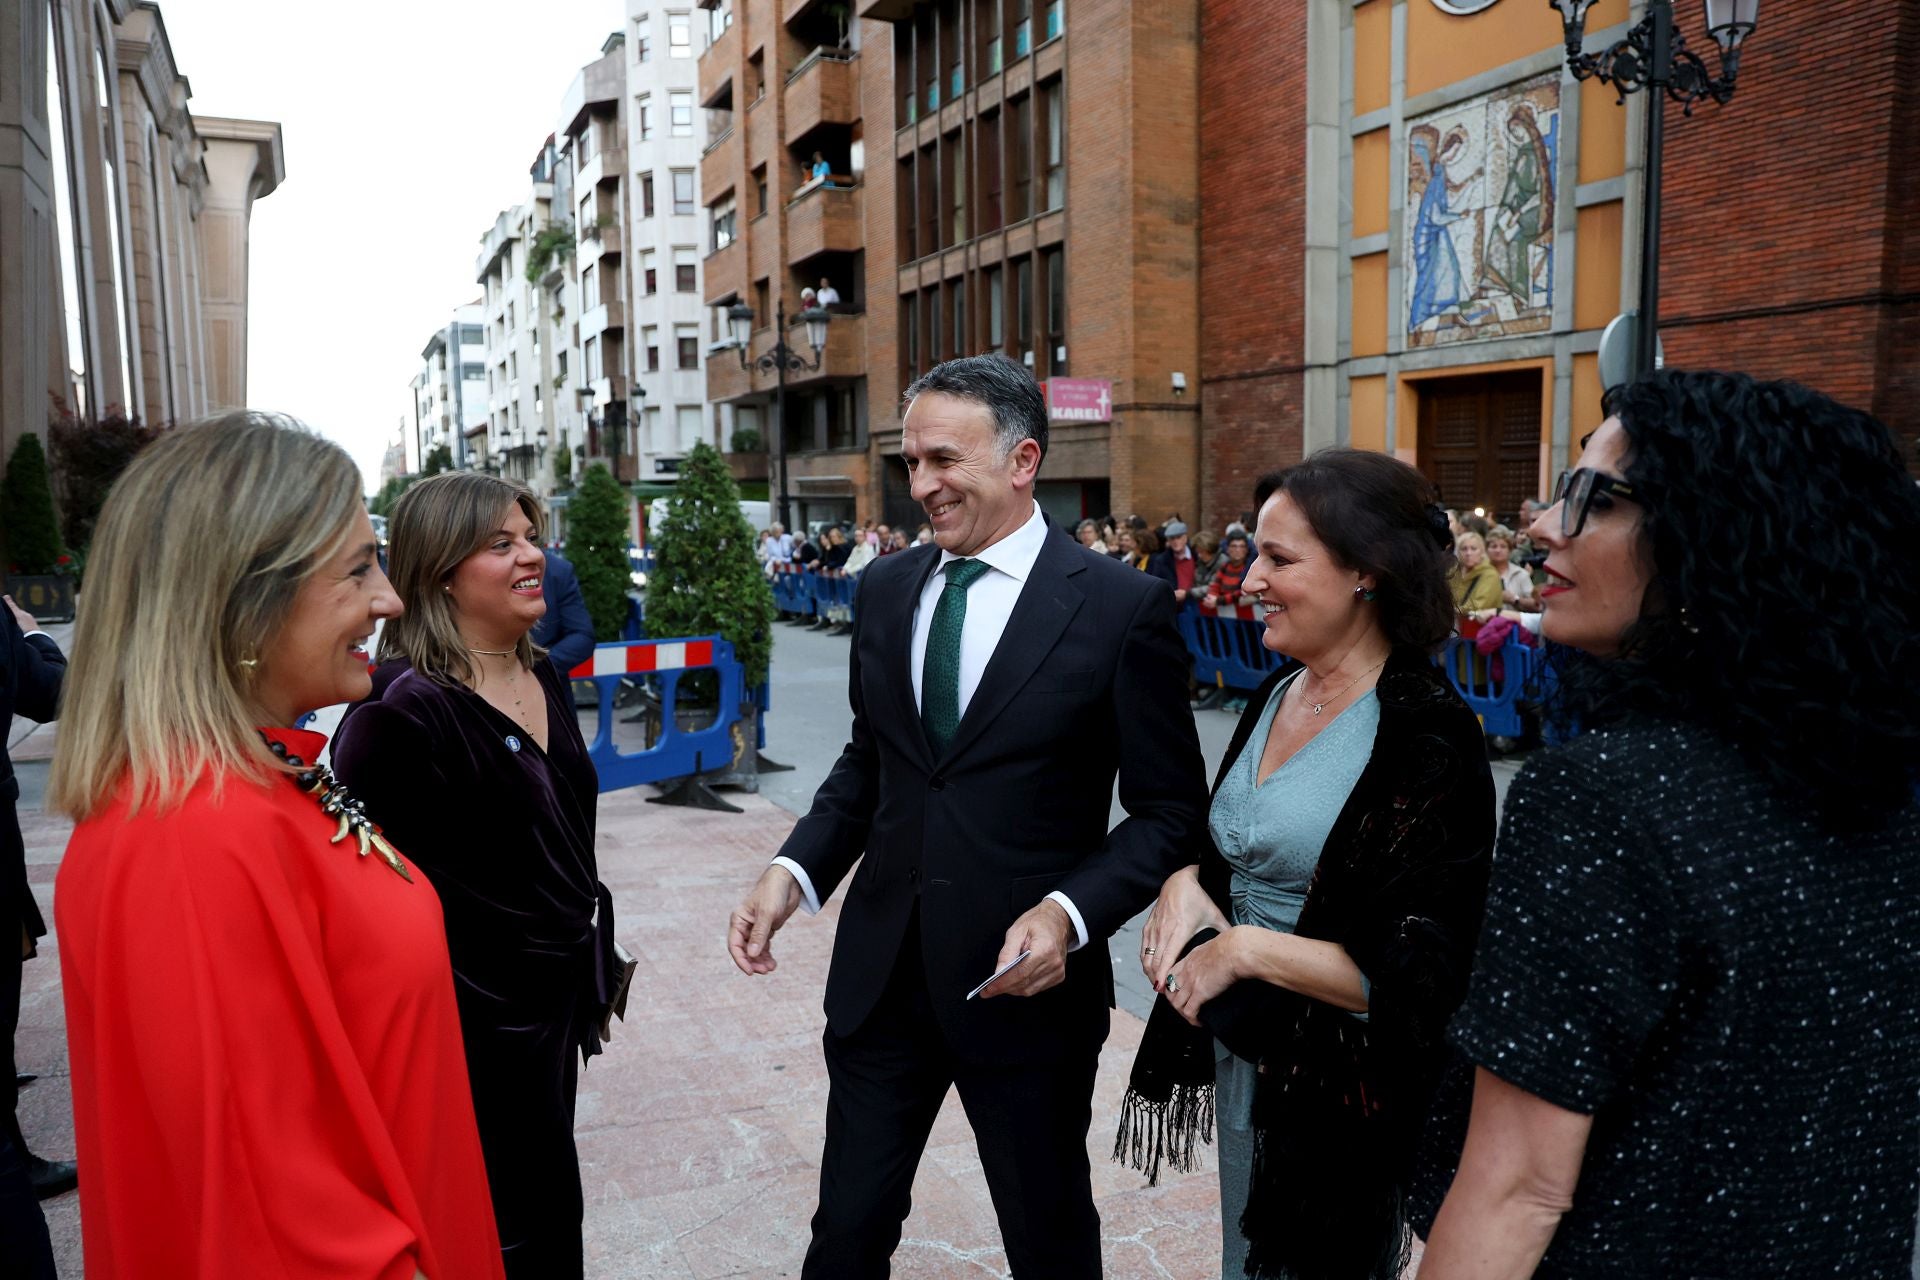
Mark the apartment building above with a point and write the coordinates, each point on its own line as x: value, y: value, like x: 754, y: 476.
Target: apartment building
x: 591, y: 165
x: 668, y: 230
x: 525, y: 304
x: 786, y: 88
x: 123, y: 221
x: 450, y: 390
x: 968, y: 176
x: 1044, y: 163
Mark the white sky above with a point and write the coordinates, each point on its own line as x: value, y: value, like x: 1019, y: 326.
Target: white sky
x: 408, y: 125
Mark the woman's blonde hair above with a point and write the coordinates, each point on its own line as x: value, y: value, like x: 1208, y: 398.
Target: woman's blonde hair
x: 435, y: 525
x: 199, y: 554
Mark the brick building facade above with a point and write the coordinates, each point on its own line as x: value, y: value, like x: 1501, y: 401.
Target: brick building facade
x: 1008, y: 175
x: 781, y: 81
x: 1253, y: 229
x: 1791, y: 225
x: 1347, y: 299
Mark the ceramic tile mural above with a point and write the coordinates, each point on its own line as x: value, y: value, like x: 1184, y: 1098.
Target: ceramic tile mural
x: 1479, y: 215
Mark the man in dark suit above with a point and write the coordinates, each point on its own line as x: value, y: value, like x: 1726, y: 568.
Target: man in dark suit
x: 566, y: 630
x: 1174, y: 564
x: 31, y: 670
x: 1000, y: 678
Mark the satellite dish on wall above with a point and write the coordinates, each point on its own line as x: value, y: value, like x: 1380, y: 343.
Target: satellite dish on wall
x: 1617, y: 344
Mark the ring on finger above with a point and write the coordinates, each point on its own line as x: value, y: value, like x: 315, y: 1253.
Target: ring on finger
x: 1173, y: 983
x: 1148, y: 951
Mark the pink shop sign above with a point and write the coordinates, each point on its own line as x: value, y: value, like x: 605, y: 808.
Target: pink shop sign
x: 1079, y: 399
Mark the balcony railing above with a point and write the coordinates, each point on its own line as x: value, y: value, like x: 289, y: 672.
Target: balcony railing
x: 823, y: 90
x: 823, y: 218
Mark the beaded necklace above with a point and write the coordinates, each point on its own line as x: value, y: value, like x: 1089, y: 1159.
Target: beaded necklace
x: 318, y: 781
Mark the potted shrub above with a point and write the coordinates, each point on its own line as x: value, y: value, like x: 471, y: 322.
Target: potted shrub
x: 707, y: 580
x: 39, y: 570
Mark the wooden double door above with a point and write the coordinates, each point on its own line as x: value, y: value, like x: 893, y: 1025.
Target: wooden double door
x: 1480, y: 439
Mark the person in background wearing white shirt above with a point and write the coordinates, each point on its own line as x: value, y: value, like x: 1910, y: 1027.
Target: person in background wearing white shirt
x: 827, y: 296
x: 970, y: 787
x: 1516, y: 584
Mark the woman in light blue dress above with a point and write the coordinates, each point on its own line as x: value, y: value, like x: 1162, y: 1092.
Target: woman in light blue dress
x: 1309, y: 963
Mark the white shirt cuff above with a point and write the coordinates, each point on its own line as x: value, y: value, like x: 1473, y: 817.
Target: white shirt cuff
x: 24, y: 635
x: 1073, y: 914
x: 809, y: 900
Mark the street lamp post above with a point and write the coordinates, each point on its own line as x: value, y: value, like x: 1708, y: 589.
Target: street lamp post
x: 1654, y: 56
x: 780, y: 359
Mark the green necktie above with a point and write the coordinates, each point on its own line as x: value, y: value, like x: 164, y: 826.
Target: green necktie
x: 940, y: 671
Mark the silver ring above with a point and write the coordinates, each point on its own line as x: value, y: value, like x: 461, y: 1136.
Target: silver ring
x: 1173, y: 984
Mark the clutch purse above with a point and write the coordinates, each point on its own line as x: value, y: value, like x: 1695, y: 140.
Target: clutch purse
x: 624, y: 967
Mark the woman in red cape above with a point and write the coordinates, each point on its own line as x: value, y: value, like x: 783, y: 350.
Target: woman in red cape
x: 268, y: 1075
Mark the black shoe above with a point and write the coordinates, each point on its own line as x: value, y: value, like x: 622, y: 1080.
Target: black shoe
x: 21, y: 1079
x: 52, y: 1177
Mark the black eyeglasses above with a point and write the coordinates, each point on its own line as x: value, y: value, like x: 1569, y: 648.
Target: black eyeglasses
x: 1575, y: 493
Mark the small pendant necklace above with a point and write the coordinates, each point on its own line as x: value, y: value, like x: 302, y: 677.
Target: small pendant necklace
x: 318, y: 781
x: 513, y: 685
x: 1327, y: 702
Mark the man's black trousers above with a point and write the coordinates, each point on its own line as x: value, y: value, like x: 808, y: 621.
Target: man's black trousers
x: 888, y: 1080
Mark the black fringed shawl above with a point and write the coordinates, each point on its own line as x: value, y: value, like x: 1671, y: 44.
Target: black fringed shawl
x: 1341, y: 1104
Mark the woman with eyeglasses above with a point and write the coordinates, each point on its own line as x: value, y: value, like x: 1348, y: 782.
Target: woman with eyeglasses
x: 1695, y: 1010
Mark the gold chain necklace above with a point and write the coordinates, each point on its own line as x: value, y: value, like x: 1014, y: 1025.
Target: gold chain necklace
x: 318, y: 781
x: 1325, y: 702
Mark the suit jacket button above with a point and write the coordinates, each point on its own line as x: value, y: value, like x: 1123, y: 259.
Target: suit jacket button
x: 913, y: 875
x: 936, y: 783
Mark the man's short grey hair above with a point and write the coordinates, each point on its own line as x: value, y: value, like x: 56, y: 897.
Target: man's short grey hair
x: 1004, y: 387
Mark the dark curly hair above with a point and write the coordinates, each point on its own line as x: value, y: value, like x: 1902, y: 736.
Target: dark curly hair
x: 1784, y: 535
x: 1378, y: 515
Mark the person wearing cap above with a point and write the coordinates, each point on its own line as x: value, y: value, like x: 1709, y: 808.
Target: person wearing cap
x: 1174, y: 564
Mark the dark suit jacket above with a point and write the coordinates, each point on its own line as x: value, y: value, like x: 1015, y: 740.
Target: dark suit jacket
x: 566, y: 632
x: 31, y: 671
x: 1089, y: 680
x: 1161, y: 565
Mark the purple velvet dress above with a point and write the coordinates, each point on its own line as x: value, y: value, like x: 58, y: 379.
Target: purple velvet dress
x: 505, y: 831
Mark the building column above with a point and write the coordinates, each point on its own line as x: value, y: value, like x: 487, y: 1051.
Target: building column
x: 244, y: 162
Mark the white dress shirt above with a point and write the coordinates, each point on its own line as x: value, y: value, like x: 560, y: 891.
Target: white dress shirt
x: 990, y: 602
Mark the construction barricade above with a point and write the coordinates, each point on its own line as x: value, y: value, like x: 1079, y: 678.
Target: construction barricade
x: 678, y: 753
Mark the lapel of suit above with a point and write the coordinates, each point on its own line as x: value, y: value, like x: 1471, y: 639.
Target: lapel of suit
x: 1047, y: 603
x: 895, y: 636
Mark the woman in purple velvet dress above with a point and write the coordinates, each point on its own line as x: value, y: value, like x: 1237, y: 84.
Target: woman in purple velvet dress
x: 470, y: 757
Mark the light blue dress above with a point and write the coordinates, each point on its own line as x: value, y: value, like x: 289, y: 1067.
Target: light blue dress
x: 1271, y: 834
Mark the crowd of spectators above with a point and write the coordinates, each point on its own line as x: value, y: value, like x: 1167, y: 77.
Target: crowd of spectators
x: 1495, y: 577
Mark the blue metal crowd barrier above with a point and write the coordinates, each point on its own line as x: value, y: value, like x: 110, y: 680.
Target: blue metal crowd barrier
x: 810, y: 593
x: 1493, y: 697
x: 679, y: 753
x: 1225, y: 645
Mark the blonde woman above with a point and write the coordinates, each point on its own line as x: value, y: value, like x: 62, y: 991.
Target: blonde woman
x: 266, y: 1055
x: 1476, y: 587
x: 470, y: 755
